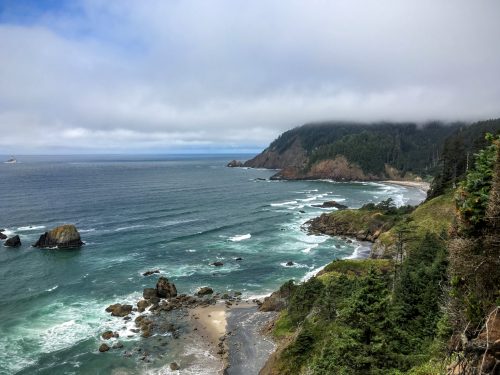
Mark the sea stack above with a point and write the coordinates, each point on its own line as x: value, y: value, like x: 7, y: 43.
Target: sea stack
x: 64, y: 236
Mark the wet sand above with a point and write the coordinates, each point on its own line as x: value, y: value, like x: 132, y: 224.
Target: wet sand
x: 246, y: 348
x: 421, y: 185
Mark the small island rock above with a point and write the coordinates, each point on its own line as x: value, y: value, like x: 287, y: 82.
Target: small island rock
x: 149, y: 273
x: 234, y: 164
x: 64, y: 236
x: 3, y: 236
x: 13, y: 242
x: 217, y: 264
x: 289, y: 263
x: 103, y: 348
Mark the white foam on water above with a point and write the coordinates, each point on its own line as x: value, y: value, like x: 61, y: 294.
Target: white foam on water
x: 295, y: 265
x: 87, y: 230
x: 308, y: 250
x: 52, y: 289
x: 30, y: 227
x: 283, y: 204
x: 240, y: 237
x: 190, y: 251
x: 129, y: 227
x: 312, y: 273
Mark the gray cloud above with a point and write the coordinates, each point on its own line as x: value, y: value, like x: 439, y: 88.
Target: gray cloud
x: 120, y: 76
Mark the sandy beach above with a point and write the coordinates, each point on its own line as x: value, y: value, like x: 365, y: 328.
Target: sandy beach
x: 421, y: 185
x: 236, y: 330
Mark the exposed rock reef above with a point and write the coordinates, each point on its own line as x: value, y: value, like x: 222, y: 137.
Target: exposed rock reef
x: 14, y: 241
x: 332, y: 204
x: 2, y: 235
x: 64, y: 236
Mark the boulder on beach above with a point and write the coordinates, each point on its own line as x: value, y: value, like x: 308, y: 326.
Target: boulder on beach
x: 165, y: 289
x: 13, y: 242
x: 64, y: 236
x: 204, y: 291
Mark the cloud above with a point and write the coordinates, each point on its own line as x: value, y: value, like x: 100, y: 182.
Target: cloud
x: 162, y: 76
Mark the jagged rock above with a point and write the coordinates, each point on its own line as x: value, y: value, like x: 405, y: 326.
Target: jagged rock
x: 238, y: 259
x: 149, y: 293
x: 289, y: 264
x: 149, y: 273
x: 109, y: 334
x: 2, y: 235
x: 165, y: 289
x: 143, y: 304
x: 217, y: 264
x: 204, y: 291
x: 277, y: 301
x: 64, y: 236
x: 119, y: 310
x: 174, y: 366
x: 103, y: 348
x: 13, y: 242
x: 234, y: 163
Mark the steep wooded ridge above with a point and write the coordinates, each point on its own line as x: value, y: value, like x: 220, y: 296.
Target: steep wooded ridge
x: 427, y: 303
x: 354, y: 151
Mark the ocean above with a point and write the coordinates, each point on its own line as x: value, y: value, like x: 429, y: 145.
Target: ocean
x: 177, y: 214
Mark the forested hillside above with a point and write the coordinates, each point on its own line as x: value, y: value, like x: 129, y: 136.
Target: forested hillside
x: 350, y: 151
x: 430, y: 307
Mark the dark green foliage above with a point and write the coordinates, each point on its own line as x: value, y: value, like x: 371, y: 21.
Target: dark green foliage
x: 405, y: 146
x: 388, y: 207
x: 459, y: 154
x: 359, y: 323
x: 303, y: 298
x: 473, y: 194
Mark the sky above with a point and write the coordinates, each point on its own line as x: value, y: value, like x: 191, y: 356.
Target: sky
x: 168, y: 76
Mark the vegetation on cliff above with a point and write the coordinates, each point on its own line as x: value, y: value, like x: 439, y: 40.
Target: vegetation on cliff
x: 431, y: 308
x: 351, y: 151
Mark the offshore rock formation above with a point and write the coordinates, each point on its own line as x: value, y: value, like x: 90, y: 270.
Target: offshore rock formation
x: 234, y: 164
x: 13, y: 242
x: 64, y: 236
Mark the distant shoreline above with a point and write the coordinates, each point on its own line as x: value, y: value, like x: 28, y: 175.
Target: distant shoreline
x: 421, y: 185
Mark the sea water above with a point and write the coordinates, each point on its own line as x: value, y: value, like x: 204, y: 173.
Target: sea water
x: 177, y: 214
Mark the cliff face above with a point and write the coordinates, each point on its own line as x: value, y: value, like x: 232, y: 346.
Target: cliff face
x: 293, y: 157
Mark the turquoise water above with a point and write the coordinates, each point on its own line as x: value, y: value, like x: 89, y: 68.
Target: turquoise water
x: 176, y: 214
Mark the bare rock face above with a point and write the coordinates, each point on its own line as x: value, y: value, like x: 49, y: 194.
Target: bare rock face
x: 234, y: 164
x: 13, y: 242
x: 165, y: 289
x: 119, y: 310
x: 64, y: 236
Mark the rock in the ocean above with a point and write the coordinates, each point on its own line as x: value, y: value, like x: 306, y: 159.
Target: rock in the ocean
x: 149, y: 293
x: 110, y: 334
x: 289, y: 264
x: 3, y: 236
x: 238, y: 259
x: 103, y: 348
x: 174, y: 366
x: 13, y: 242
x: 165, y: 289
x: 149, y: 273
x: 217, y: 264
x: 64, y: 236
x: 204, y: 291
x: 234, y: 163
x: 119, y: 310
x: 331, y: 204
x: 143, y: 304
